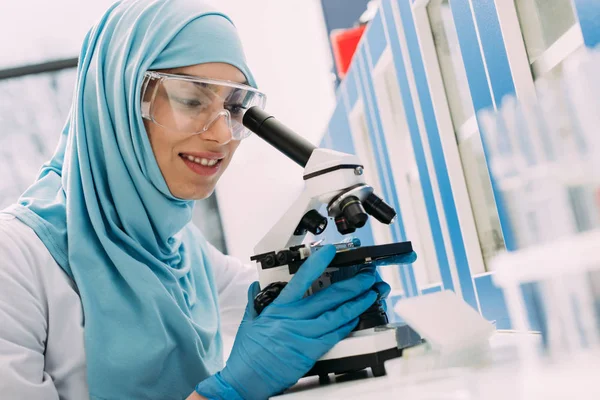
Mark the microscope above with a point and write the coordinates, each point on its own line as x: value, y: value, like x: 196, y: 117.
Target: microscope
x: 333, y: 181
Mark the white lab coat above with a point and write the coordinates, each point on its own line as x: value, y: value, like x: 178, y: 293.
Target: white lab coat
x: 41, y: 321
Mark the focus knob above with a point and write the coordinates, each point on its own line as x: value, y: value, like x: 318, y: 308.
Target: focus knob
x: 267, y: 295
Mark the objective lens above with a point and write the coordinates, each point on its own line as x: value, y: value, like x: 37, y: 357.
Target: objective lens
x: 343, y: 226
x: 354, y: 211
x: 378, y: 208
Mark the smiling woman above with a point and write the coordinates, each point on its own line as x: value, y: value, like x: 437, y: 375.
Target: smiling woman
x: 193, y: 116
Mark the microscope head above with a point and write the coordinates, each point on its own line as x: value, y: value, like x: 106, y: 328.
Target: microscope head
x: 334, y: 178
x: 335, y: 181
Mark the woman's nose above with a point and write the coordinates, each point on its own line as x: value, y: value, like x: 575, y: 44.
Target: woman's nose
x: 218, y: 128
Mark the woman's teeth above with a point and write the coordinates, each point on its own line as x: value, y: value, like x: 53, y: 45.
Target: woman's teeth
x: 202, y: 161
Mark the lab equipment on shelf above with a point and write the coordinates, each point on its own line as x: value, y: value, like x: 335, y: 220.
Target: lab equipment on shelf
x: 544, y: 158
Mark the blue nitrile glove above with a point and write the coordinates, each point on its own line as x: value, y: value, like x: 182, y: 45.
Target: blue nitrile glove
x: 383, y: 289
x: 276, y: 348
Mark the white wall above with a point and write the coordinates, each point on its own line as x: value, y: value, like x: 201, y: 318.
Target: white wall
x: 287, y: 48
x: 41, y: 30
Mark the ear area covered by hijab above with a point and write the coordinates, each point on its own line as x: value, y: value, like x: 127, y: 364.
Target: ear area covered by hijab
x: 104, y: 211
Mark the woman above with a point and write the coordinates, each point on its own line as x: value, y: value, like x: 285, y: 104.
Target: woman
x: 107, y: 290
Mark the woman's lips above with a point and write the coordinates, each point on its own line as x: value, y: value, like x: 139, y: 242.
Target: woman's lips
x: 201, y: 163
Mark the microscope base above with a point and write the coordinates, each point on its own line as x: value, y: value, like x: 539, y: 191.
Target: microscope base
x: 339, y: 366
x: 370, y: 348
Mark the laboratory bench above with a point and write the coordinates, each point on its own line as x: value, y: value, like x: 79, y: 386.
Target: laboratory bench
x: 497, y: 372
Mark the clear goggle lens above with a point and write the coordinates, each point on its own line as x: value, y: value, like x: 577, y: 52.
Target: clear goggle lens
x: 192, y: 105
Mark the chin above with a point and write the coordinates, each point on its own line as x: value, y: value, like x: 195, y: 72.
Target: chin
x: 201, y: 196
x: 193, y: 193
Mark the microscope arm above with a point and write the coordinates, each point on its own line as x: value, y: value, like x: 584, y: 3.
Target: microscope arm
x: 319, y: 190
x: 332, y: 178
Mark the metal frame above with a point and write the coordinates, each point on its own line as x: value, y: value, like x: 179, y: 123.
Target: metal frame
x: 448, y: 134
x: 51, y: 66
x: 450, y: 139
x: 400, y: 150
x: 390, y: 152
x: 386, y: 180
x: 515, y: 48
x: 405, y: 80
x: 567, y: 44
x: 427, y: 148
x: 525, y: 73
x: 381, y: 233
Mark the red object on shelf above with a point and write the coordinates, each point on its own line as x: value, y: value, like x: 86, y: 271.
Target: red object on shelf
x: 344, y: 43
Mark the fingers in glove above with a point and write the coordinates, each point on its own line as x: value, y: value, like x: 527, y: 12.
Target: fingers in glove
x: 309, y: 271
x: 253, y: 290
x: 383, y: 289
x: 333, y: 320
x: 332, y: 338
x: 335, y: 295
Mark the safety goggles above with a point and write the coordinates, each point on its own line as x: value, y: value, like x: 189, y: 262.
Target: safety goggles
x: 192, y: 105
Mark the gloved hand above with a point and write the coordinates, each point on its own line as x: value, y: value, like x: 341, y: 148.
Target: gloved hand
x: 383, y: 289
x: 276, y: 348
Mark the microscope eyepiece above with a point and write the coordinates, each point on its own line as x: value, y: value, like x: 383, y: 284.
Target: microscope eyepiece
x: 278, y: 135
x: 378, y: 208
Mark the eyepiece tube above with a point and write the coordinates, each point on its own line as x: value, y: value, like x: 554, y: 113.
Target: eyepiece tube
x: 278, y: 135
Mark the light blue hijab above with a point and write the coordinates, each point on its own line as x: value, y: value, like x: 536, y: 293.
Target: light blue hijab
x: 104, y: 211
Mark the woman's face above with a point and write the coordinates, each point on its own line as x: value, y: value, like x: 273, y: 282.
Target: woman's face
x: 180, y: 156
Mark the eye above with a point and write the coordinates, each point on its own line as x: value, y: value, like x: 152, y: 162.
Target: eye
x: 189, y: 102
x: 236, y: 109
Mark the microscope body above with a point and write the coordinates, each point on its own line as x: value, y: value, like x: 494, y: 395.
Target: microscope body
x: 334, y: 180
x: 324, y: 181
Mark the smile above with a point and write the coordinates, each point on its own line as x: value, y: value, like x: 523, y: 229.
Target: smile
x: 201, y: 161
x: 201, y: 165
